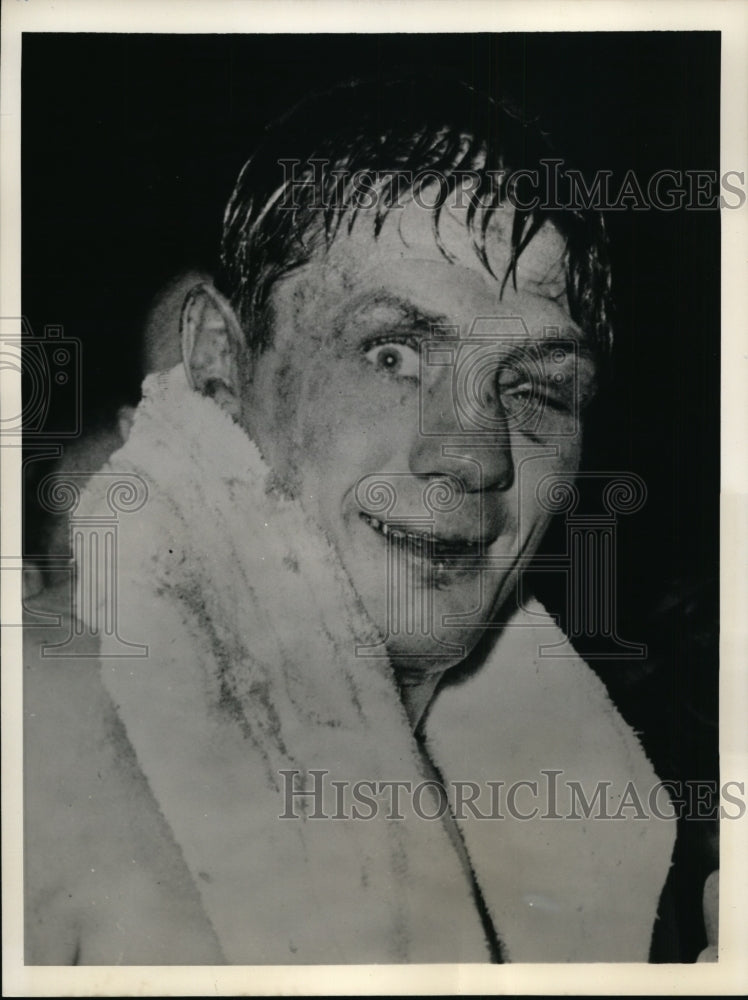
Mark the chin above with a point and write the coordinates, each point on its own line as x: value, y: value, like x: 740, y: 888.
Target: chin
x: 425, y: 645
x: 408, y: 600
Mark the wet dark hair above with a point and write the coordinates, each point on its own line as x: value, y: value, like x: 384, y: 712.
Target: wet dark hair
x: 402, y: 134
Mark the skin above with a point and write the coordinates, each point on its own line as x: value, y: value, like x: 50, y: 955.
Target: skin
x: 339, y: 401
x: 339, y: 397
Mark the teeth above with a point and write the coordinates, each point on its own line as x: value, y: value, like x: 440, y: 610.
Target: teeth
x: 396, y: 533
x: 418, y: 538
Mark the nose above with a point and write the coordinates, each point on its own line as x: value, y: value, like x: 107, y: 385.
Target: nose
x: 475, y: 447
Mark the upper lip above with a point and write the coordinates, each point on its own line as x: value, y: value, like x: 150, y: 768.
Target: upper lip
x: 456, y: 541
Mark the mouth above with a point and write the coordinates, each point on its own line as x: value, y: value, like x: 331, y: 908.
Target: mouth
x: 439, y: 551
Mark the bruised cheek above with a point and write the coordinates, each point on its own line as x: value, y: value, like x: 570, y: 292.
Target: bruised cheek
x: 347, y: 428
x: 316, y: 412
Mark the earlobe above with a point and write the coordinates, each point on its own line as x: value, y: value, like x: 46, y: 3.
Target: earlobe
x: 212, y: 347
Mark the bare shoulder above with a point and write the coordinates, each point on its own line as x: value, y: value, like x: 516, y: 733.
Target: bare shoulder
x: 104, y: 880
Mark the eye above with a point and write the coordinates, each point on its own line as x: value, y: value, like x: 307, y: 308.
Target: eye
x: 516, y: 390
x: 394, y: 358
x: 515, y: 398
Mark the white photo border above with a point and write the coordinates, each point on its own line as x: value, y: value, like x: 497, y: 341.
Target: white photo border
x: 730, y: 17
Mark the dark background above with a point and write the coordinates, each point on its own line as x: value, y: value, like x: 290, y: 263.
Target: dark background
x: 131, y: 145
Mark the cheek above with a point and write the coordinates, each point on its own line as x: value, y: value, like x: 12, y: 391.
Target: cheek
x: 349, y: 418
x: 534, y: 475
x: 271, y: 414
x: 323, y: 415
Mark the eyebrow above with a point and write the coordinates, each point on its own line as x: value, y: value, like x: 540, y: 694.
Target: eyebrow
x: 547, y: 345
x: 396, y: 312
x: 399, y: 313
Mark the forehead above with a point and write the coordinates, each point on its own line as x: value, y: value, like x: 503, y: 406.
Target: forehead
x: 405, y: 261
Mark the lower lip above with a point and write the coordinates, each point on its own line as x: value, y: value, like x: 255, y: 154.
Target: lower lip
x: 440, y: 571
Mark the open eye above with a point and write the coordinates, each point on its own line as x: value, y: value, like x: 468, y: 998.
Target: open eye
x: 395, y: 359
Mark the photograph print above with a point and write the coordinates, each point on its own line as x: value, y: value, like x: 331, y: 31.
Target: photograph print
x: 370, y: 481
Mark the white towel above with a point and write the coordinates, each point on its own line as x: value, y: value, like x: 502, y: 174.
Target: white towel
x: 252, y: 627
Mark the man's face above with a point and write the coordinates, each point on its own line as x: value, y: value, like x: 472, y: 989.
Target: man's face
x: 414, y: 437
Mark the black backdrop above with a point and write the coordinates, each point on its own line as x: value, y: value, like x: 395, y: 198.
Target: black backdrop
x: 131, y: 144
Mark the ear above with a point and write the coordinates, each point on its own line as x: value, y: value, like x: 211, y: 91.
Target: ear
x: 213, y: 347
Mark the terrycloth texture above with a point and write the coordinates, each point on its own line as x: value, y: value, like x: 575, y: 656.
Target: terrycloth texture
x: 559, y: 889
x: 252, y: 626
